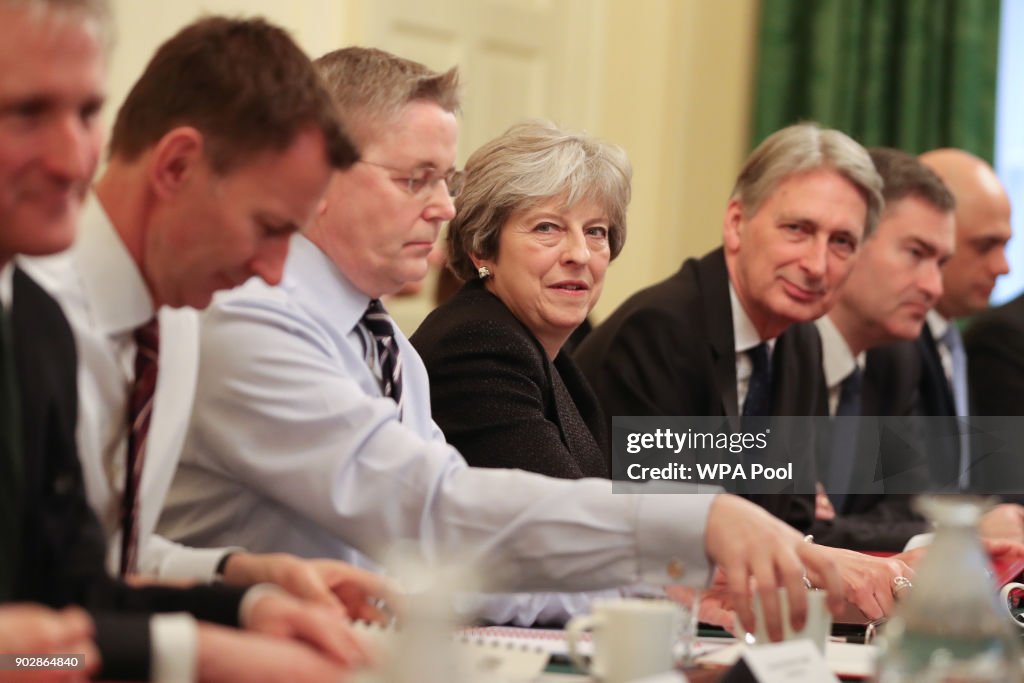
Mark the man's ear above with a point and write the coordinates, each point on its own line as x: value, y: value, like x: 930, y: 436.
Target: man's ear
x: 732, y: 226
x: 176, y: 158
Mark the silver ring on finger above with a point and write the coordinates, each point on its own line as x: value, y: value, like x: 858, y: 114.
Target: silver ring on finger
x: 900, y: 583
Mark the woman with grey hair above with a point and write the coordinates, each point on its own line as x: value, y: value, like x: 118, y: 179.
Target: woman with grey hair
x: 541, y: 215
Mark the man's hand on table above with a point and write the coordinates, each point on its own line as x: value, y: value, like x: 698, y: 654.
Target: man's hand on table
x: 227, y: 655
x: 326, y: 629
x: 1003, y: 522
x: 758, y: 553
x: 27, y: 629
x: 866, y: 593
x: 868, y: 582
x: 328, y: 582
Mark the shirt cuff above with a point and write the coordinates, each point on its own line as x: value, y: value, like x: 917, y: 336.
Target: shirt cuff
x: 670, y: 538
x: 194, y: 563
x: 251, y: 597
x: 175, y: 648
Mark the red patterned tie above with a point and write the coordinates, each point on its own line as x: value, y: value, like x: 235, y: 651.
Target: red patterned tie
x: 140, y: 408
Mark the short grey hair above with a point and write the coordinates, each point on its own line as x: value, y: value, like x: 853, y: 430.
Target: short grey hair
x: 528, y: 164
x: 371, y: 87
x: 95, y: 11
x: 802, y: 148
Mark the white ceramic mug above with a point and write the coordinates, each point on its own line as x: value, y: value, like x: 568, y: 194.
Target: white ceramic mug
x: 817, y: 628
x: 632, y: 638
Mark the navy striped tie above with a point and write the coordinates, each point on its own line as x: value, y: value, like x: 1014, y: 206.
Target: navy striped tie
x: 377, y: 321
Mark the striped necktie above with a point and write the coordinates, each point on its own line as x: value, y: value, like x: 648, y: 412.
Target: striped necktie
x: 11, y: 465
x: 140, y: 410
x: 377, y: 321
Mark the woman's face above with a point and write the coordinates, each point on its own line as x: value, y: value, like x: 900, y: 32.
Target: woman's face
x: 550, y: 266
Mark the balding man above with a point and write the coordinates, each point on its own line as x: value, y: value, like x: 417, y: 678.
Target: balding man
x: 995, y: 340
x: 982, y: 231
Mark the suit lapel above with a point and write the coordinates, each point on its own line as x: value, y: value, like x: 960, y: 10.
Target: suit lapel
x: 799, y: 384
x: 579, y: 418
x: 935, y: 390
x: 871, y: 398
x: 713, y: 281
x: 172, y: 406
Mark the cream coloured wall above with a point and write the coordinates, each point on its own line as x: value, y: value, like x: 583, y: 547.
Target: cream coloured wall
x: 676, y: 96
x: 141, y: 25
x: 673, y: 82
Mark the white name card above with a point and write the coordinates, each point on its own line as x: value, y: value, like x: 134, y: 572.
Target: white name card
x: 796, y: 661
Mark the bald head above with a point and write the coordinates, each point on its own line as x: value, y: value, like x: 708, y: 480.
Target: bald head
x: 982, y: 230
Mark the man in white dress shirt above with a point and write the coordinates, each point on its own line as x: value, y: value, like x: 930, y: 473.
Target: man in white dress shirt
x: 299, y: 442
x: 894, y: 283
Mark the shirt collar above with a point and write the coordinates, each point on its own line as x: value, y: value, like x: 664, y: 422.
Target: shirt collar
x: 837, y: 360
x: 744, y: 333
x: 114, y: 286
x: 337, y: 299
x: 937, y: 324
x: 7, y: 285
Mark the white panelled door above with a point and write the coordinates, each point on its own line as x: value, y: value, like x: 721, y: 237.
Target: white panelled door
x: 518, y: 58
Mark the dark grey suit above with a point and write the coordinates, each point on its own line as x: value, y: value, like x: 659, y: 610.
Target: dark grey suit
x: 880, y: 521
x: 994, y: 343
x: 670, y: 350
x: 935, y: 399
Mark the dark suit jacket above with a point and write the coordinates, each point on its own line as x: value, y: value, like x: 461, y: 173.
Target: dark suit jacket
x: 499, y: 399
x: 935, y: 399
x: 62, y: 556
x: 670, y: 350
x: 994, y: 343
x: 880, y: 521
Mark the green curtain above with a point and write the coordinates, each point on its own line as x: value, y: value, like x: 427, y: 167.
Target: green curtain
x: 912, y: 74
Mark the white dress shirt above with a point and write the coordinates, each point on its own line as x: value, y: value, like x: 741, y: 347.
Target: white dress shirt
x: 293, y: 448
x: 745, y: 337
x: 104, y: 298
x: 7, y: 285
x: 837, y: 360
x: 937, y: 326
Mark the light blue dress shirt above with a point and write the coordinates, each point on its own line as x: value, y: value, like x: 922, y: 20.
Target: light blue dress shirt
x: 293, y: 448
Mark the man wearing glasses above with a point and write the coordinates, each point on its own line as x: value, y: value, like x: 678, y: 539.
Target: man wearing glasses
x: 312, y: 430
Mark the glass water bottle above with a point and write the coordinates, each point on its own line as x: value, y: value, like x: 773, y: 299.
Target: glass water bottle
x: 949, y: 627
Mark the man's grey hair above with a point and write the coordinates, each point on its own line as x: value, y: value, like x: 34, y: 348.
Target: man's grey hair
x: 96, y: 12
x: 372, y: 86
x: 802, y: 148
x: 530, y: 163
